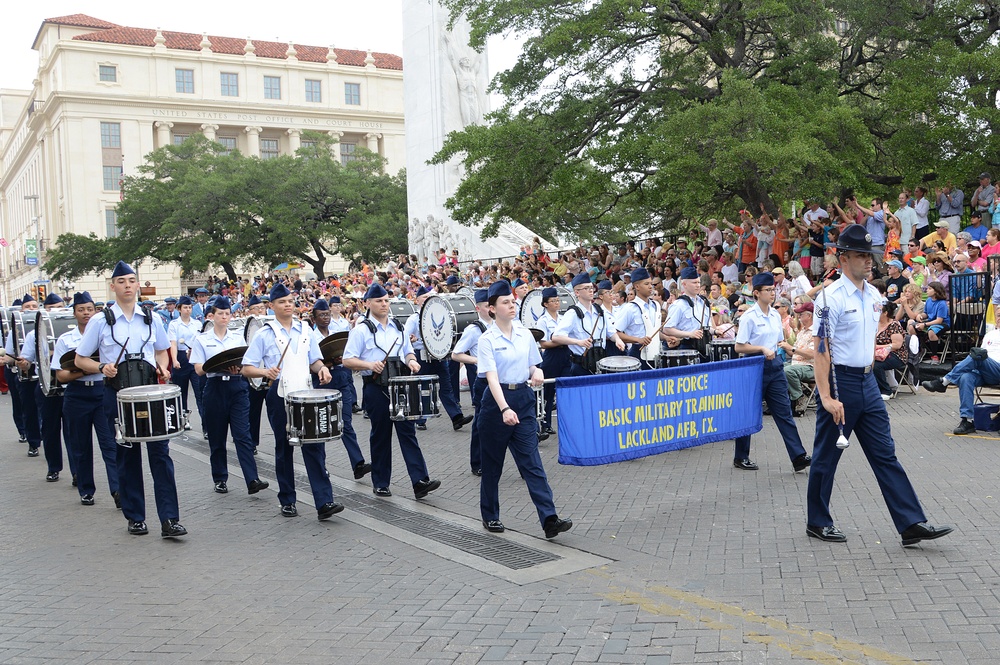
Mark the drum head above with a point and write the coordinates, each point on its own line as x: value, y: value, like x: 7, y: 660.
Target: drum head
x: 531, y: 308
x: 43, y: 333
x: 147, y: 393
x: 619, y: 364
x: 253, y: 326
x: 21, y: 324
x: 466, y: 292
x: 438, y: 327
x: 313, y: 396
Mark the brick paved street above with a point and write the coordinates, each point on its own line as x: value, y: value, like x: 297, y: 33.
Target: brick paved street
x: 705, y: 564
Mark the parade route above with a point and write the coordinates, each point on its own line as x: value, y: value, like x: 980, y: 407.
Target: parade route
x: 675, y: 558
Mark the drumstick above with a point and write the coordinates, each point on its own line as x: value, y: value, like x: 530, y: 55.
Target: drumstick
x: 386, y: 359
x: 282, y: 358
x: 122, y: 352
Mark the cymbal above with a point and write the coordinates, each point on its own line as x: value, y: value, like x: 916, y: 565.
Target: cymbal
x: 537, y: 334
x: 68, y: 360
x: 332, y: 347
x: 225, y: 360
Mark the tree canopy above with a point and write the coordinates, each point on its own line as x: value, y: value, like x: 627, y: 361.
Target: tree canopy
x: 623, y: 116
x: 195, y: 205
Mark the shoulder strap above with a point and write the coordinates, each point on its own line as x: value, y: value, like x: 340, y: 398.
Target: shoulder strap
x: 369, y: 325
x: 109, y: 318
x: 480, y: 325
x: 578, y: 310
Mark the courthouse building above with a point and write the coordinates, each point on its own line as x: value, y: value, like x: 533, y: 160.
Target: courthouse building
x: 106, y: 95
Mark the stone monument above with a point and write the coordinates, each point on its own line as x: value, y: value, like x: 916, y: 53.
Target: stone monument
x: 444, y: 90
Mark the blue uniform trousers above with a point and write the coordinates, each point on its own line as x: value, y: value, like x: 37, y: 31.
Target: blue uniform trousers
x: 29, y: 409
x: 635, y: 351
x: 343, y: 381
x: 313, y: 456
x: 479, y: 387
x: 448, y: 399
x: 230, y: 410
x: 184, y: 374
x: 555, y: 364
x: 129, y: 463
x: 969, y: 375
x: 83, y: 411
x: 775, y: 392
x: 866, y: 416
x: 455, y: 372
x: 522, y: 439
x: 376, y: 403
x: 15, y: 400
x: 256, y: 407
x: 50, y: 410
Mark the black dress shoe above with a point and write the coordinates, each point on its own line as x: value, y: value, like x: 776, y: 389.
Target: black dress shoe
x: 542, y: 436
x: 801, y: 462
x: 221, y: 487
x: 361, y: 470
x: 118, y: 499
x: 33, y: 451
x: 422, y: 427
x: 87, y: 500
x: 382, y: 491
x: 172, y: 529
x: 290, y: 510
x: 494, y: 526
x: 425, y: 487
x: 22, y: 439
x: 965, y: 427
x: 328, y: 510
x: 554, y: 526
x: 548, y: 430
x: 355, y: 408
x: 934, y: 386
x: 477, y: 472
x: 255, y: 486
x: 74, y: 480
x: 255, y: 450
x: 460, y: 421
x: 52, y: 477
x: 137, y: 528
x: 830, y: 534
x: 745, y: 464
x: 923, y: 531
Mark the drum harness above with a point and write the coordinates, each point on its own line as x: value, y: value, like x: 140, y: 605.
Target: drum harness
x: 373, y: 378
x: 147, y: 318
x: 590, y: 356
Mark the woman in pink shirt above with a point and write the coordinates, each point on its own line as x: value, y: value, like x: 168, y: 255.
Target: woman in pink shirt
x: 992, y: 245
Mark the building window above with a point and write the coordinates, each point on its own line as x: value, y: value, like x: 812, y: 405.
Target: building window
x: 228, y: 142
x: 314, y: 91
x: 180, y: 138
x: 269, y: 148
x: 311, y: 145
x: 108, y: 73
x: 352, y: 94
x: 272, y: 87
x: 111, y: 223
x: 112, y: 178
x: 229, y: 84
x: 347, y: 151
x: 111, y: 135
x: 185, y: 80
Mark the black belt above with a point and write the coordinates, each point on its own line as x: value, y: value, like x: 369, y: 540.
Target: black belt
x: 514, y: 386
x: 847, y: 369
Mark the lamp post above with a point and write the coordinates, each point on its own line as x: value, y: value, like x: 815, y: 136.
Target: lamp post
x: 67, y: 287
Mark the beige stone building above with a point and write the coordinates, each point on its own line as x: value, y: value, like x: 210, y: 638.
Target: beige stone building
x: 107, y: 95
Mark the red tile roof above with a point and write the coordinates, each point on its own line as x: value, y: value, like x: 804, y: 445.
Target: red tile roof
x: 81, y: 21
x: 109, y: 33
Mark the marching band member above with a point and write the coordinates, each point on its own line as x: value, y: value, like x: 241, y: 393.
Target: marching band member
x: 198, y: 310
x: 372, y: 344
x: 581, y: 325
x: 428, y: 365
x: 24, y: 385
x: 760, y: 333
x: 169, y: 313
x: 227, y: 393
x: 256, y: 307
x: 689, y: 317
x: 284, y: 349
x: 638, y: 322
x: 17, y: 413
x: 343, y: 380
x: 181, y: 333
x: 465, y: 351
x: 509, y: 358
x: 83, y: 406
x: 125, y: 328
x: 50, y: 407
x: 606, y: 299
x: 555, y: 356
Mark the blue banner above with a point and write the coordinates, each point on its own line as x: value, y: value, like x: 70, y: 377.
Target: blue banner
x: 615, y: 417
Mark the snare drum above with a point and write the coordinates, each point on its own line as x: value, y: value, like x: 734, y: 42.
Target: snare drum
x: 314, y: 416
x: 615, y: 364
x: 413, y: 397
x: 149, y: 413
x: 679, y: 358
x: 442, y: 320
x: 722, y: 349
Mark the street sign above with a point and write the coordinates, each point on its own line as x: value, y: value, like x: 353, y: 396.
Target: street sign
x: 31, y: 261
x: 39, y: 282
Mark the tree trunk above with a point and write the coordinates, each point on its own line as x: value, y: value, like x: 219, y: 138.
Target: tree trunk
x: 319, y: 264
x: 230, y: 271
x: 754, y: 194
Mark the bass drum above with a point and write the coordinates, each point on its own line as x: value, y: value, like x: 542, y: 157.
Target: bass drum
x: 532, y: 309
x: 48, y: 328
x: 251, y: 328
x: 4, y: 322
x: 400, y: 310
x: 21, y: 323
x: 442, y: 319
x: 466, y: 291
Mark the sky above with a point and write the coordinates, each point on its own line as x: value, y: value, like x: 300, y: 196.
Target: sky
x: 371, y: 24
